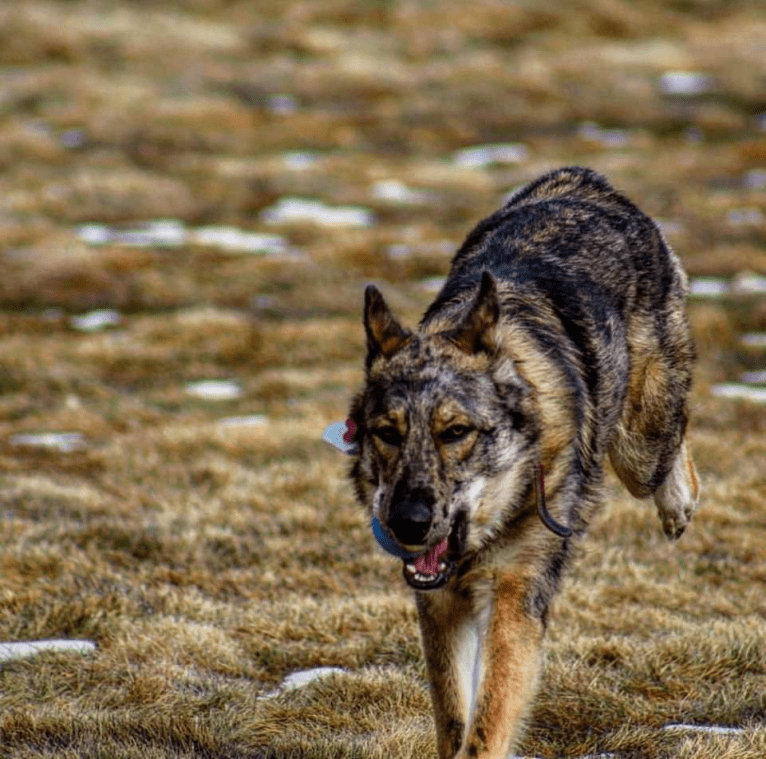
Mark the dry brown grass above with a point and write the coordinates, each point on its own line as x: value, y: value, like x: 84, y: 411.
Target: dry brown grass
x: 206, y: 561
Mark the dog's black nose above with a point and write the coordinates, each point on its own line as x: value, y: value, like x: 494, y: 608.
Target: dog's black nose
x: 410, y: 517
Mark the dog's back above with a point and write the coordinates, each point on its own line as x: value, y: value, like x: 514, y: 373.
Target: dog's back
x: 571, y: 238
x: 570, y: 247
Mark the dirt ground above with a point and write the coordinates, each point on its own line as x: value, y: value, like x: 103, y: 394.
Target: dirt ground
x: 192, y: 198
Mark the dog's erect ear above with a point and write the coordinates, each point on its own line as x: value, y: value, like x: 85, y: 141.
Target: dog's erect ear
x: 475, y: 333
x: 385, y: 336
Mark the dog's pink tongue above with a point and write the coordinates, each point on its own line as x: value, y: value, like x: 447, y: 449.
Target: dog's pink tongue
x: 428, y: 564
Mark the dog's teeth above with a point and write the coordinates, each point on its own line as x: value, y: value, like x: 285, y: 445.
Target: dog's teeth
x: 411, y: 568
x: 442, y: 566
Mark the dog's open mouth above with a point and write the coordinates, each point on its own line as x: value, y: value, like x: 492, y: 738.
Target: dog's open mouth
x: 431, y: 570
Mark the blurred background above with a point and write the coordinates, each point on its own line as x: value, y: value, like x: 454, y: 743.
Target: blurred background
x: 192, y: 198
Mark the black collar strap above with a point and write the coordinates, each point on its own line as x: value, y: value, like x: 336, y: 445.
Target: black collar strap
x: 542, y: 508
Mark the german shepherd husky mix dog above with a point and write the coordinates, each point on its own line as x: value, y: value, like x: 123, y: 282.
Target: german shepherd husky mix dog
x: 479, y: 440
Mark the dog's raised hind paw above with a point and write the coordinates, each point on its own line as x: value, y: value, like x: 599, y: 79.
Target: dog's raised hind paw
x: 677, y: 497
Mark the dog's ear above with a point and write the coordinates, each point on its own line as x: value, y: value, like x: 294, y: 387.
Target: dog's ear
x: 476, y: 332
x: 385, y: 336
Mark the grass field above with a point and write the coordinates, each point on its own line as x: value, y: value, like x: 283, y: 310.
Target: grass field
x: 207, y: 542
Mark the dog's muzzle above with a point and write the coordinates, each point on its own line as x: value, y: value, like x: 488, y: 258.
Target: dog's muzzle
x: 423, y: 570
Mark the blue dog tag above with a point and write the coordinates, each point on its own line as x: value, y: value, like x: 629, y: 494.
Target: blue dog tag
x: 388, y: 543
x: 336, y: 435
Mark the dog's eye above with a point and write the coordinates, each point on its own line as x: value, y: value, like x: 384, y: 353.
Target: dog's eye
x: 389, y: 435
x: 454, y: 433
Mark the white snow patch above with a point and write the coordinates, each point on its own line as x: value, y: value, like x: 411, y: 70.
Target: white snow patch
x: 608, y: 138
x: 215, y: 390
x: 710, y: 729
x: 252, y: 420
x: 64, y: 442
x: 237, y: 240
x: 171, y: 233
x: 304, y: 677
x: 289, y: 210
x: 394, y: 191
x: 23, y: 649
x: 300, y: 160
x: 282, y: 104
x: 161, y: 233
x: 754, y: 339
x: 708, y: 287
x: 737, y: 391
x: 754, y: 378
x: 96, y: 320
x: 746, y: 283
x: 744, y: 217
x: 432, y: 284
x: 755, y: 179
x: 95, y: 234
x: 685, y: 83
x: 307, y: 676
x: 482, y: 156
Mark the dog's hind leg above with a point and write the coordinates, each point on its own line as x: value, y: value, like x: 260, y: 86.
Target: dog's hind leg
x: 649, y: 451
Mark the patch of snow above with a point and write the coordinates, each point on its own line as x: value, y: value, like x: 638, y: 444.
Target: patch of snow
x: 737, y: 391
x: 237, y: 240
x: 162, y: 233
x: 95, y: 234
x: 685, y: 83
x: 304, y: 677
x: 608, y: 138
x: 754, y: 339
x: 432, y: 284
x: 300, y: 160
x: 282, y: 104
x: 399, y: 251
x: 291, y: 209
x: 482, y: 156
x: 307, y: 676
x: 669, y: 227
x: 215, y: 390
x: 747, y: 283
x: 24, y: 649
x: 394, y: 191
x: 96, y: 320
x: 708, y: 287
x: 65, y: 442
x: 741, y: 217
x: 72, y: 139
x: 253, y: 420
x: 710, y: 729
x: 755, y: 179
x: 754, y: 378
x: 171, y: 233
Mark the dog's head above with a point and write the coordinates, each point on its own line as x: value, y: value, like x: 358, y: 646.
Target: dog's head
x: 446, y: 435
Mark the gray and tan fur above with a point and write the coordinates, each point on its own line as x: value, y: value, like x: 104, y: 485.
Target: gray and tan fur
x: 559, y: 337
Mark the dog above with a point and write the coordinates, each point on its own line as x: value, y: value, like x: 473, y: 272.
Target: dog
x: 479, y: 441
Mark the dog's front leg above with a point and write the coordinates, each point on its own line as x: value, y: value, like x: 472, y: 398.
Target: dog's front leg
x: 483, y: 658
x: 443, y: 616
x: 510, y: 665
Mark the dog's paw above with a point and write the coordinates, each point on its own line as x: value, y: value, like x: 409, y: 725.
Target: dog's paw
x: 675, y: 517
x: 677, y: 497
